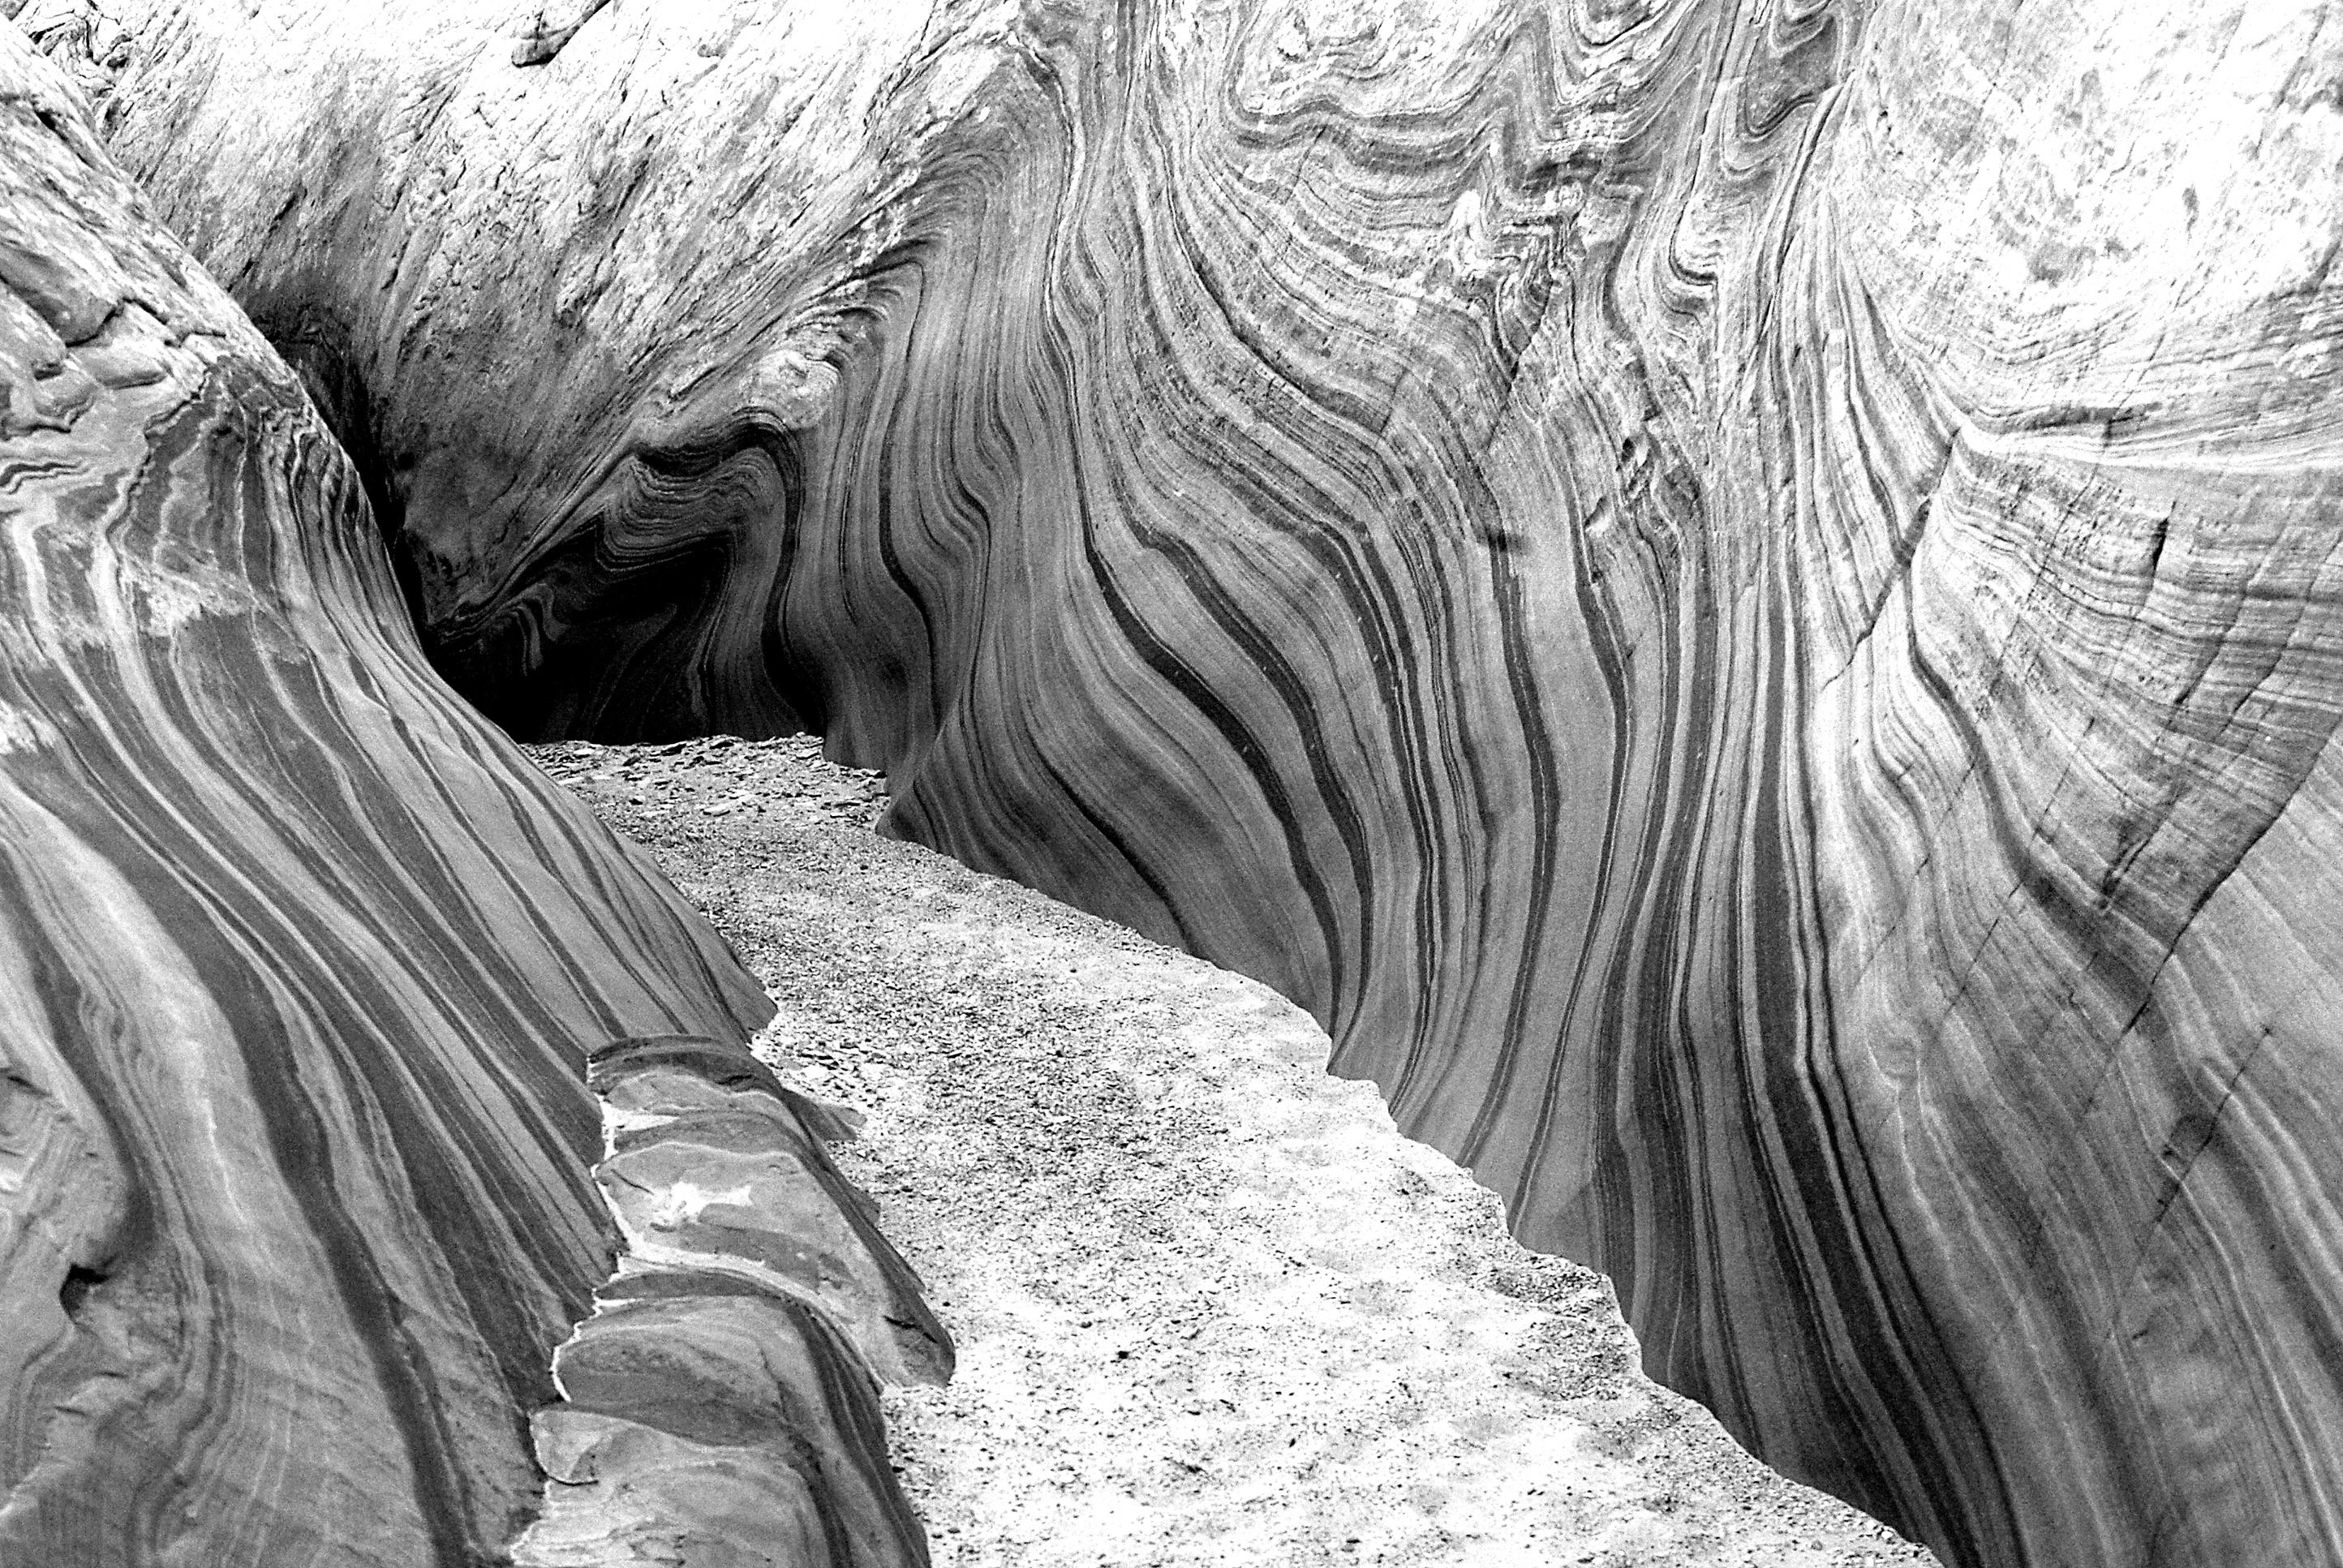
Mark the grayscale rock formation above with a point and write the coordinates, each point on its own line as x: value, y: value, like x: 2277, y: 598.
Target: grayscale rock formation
x: 1738, y: 593
x: 301, y: 968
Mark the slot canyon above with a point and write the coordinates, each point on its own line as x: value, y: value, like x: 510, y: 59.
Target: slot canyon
x: 1738, y: 597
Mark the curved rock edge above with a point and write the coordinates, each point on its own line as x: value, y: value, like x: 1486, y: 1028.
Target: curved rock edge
x: 723, y: 1393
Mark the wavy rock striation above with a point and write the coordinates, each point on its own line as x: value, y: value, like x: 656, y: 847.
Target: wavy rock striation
x: 1740, y: 594
x: 300, y: 974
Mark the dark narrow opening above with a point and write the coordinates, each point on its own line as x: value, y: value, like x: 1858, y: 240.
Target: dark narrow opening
x: 314, y: 349
x: 606, y: 639
x: 79, y: 1282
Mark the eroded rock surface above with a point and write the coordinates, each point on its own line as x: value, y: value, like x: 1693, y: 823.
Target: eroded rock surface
x: 719, y: 1406
x: 301, y: 966
x: 1740, y: 596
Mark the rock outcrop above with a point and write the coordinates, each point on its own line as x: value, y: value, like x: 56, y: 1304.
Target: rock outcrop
x: 718, y: 1407
x: 1739, y: 595
x: 302, y: 966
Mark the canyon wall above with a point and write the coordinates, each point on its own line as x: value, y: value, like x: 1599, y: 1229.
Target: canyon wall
x: 1738, y: 593
x: 302, y: 966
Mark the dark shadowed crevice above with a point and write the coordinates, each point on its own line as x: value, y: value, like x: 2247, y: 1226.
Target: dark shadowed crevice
x: 79, y: 1282
x: 314, y: 347
x: 608, y: 634
x: 613, y: 631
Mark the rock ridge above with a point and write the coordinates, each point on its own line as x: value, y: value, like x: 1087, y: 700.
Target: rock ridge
x: 720, y: 1403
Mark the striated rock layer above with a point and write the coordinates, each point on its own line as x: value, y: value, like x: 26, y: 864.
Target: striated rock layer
x: 1739, y: 594
x: 718, y: 1407
x: 301, y: 967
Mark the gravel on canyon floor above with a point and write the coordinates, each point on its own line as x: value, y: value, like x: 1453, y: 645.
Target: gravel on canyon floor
x: 1211, y: 1307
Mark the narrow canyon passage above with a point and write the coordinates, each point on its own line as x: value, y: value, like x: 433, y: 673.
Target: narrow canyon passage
x: 1211, y: 1307
x: 1740, y: 597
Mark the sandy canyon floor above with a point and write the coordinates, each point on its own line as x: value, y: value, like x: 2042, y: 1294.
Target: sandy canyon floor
x: 1211, y: 1307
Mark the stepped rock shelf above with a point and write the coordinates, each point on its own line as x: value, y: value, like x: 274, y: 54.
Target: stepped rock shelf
x: 302, y: 970
x: 1739, y: 595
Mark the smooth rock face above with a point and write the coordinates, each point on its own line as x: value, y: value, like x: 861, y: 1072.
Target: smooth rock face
x: 300, y: 969
x: 1740, y: 596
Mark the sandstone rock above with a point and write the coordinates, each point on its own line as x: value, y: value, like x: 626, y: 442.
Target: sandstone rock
x: 719, y: 1407
x: 1740, y: 596
x: 301, y: 964
x: 711, y: 1164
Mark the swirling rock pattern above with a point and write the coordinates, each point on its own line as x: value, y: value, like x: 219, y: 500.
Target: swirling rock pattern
x: 1739, y: 594
x: 301, y: 967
